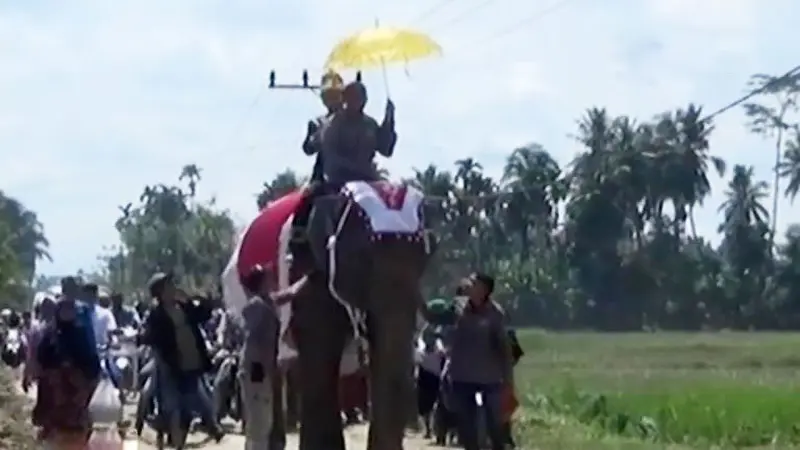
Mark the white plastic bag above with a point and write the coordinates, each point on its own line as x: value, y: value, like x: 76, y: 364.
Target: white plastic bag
x: 105, y: 406
x: 105, y: 439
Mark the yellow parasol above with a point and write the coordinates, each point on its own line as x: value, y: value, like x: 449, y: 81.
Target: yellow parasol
x: 379, y: 46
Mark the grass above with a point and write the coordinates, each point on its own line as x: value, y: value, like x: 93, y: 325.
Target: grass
x: 659, y: 390
x: 637, y: 391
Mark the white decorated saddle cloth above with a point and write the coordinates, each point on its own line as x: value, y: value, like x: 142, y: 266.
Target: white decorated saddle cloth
x: 390, y: 207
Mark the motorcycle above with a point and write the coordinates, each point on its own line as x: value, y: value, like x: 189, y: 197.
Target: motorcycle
x: 227, y: 397
x: 120, y: 361
x: 127, y: 357
x: 14, y: 347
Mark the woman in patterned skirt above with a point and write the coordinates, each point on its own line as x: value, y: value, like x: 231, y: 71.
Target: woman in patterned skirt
x: 69, y: 369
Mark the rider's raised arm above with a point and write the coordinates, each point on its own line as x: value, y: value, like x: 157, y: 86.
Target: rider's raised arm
x: 311, y: 142
x: 386, y: 136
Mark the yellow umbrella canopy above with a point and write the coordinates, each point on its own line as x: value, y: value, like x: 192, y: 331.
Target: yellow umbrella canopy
x: 378, y: 46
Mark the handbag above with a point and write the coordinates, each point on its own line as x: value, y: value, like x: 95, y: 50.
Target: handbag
x: 105, y: 406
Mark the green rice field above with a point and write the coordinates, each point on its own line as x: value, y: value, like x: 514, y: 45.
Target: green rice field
x: 659, y: 390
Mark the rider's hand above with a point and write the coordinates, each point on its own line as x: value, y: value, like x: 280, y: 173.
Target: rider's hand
x: 389, y: 109
x: 312, y: 127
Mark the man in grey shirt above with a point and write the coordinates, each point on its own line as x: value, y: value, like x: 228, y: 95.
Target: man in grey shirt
x: 258, y: 358
x: 480, y: 361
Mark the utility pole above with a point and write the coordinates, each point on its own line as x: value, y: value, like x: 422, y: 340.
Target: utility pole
x: 304, y: 82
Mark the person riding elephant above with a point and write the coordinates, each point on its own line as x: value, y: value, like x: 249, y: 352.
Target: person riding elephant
x: 345, y: 140
x: 331, y: 96
x: 361, y: 280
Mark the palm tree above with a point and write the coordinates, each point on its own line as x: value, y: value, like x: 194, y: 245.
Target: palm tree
x: 533, y: 179
x: 29, y: 242
x: 744, y: 200
x: 687, y: 160
x: 789, y: 167
x: 192, y: 174
x: 772, y: 121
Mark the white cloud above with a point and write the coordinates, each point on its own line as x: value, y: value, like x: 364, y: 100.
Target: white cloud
x: 95, y: 94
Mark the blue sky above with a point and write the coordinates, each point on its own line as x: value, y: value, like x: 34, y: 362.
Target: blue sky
x: 98, y: 98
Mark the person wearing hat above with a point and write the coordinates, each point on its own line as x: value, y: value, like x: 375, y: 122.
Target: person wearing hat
x: 331, y: 95
x: 172, y: 331
x: 480, y: 361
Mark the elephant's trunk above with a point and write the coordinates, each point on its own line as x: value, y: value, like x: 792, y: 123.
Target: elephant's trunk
x: 392, y: 306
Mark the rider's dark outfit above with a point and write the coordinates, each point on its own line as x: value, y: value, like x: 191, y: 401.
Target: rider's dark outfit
x: 346, y: 143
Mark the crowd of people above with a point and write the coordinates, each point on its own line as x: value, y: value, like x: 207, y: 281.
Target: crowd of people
x: 66, y: 338
x: 471, y: 357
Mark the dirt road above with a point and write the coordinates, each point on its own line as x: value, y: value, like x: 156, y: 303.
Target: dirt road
x: 356, y: 437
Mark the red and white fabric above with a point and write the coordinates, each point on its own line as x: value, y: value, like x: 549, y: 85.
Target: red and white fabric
x: 390, y: 207
x: 265, y: 241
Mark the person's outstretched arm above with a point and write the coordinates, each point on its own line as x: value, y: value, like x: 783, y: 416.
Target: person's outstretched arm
x: 311, y: 142
x: 387, y: 137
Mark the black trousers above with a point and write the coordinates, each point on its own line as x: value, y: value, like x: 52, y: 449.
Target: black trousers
x: 468, y: 414
x: 427, y: 391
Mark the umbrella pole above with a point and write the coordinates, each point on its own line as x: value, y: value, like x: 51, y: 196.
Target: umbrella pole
x: 385, y: 79
x: 383, y: 68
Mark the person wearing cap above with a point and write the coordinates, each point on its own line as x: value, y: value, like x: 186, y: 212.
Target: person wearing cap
x: 331, y: 95
x: 480, y: 361
x: 172, y: 331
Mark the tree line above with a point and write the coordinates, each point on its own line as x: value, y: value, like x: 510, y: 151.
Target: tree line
x: 607, y: 242
x: 22, y: 244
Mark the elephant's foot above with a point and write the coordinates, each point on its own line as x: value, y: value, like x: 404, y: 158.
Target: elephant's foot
x: 321, y: 441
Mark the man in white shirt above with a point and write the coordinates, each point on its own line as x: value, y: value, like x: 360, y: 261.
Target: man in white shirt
x: 430, y: 357
x: 103, y: 320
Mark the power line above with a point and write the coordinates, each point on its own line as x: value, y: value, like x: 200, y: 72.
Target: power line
x: 538, y: 15
x: 754, y: 92
x: 527, y: 20
x: 464, y: 14
x: 430, y: 11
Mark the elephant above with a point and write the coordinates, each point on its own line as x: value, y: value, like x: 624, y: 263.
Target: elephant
x: 352, y: 264
x: 291, y: 389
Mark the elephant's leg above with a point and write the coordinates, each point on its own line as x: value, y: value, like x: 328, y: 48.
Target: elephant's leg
x: 391, y: 364
x: 292, y: 398
x: 321, y: 327
x: 277, y: 437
